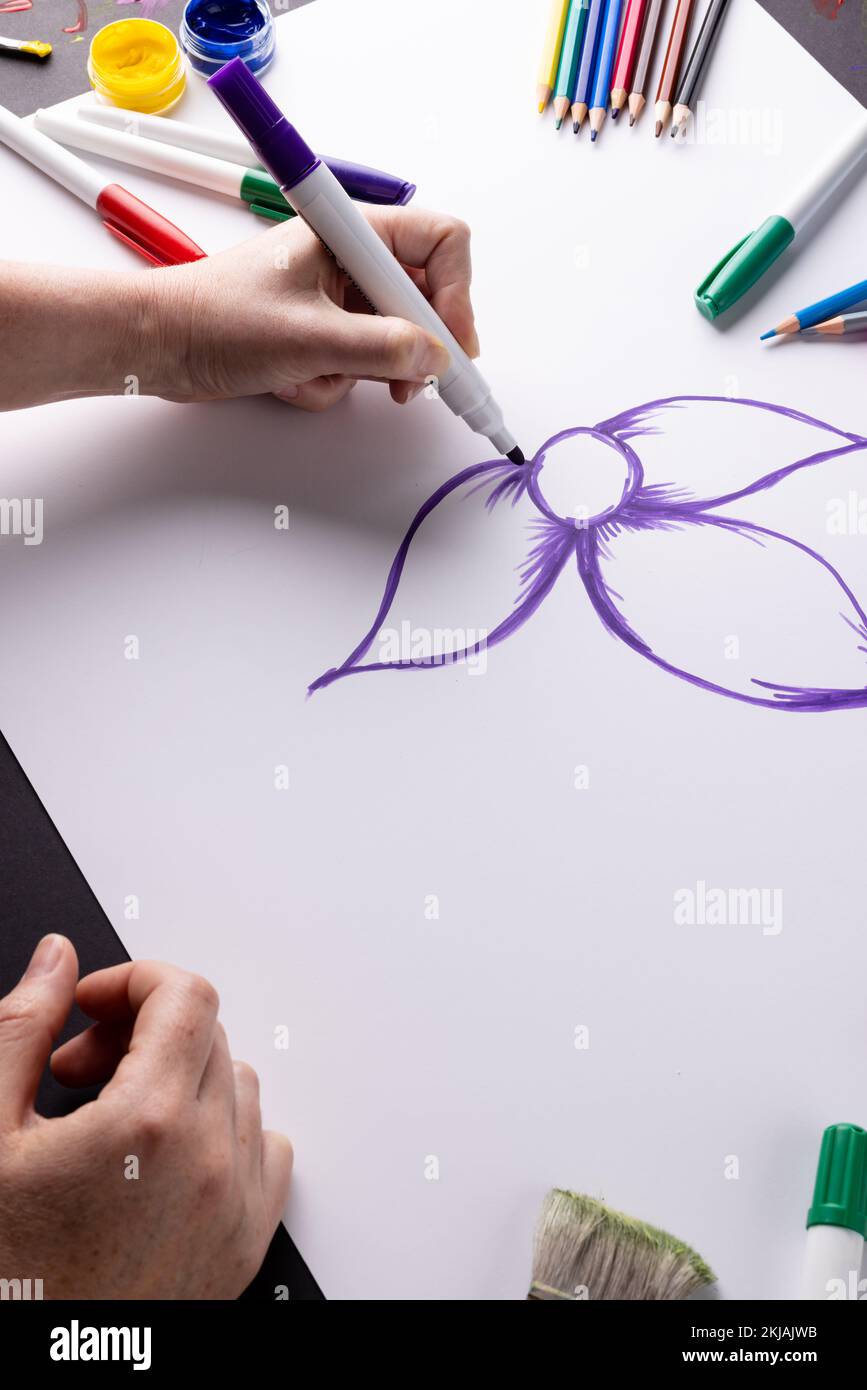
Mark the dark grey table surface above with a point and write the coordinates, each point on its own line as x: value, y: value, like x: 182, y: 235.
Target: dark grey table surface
x: 834, y: 31
x: 26, y: 84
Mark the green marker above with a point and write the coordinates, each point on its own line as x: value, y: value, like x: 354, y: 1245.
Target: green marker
x: 253, y: 186
x: 262, y: 194
x: 570, y: 55
x: 837, y: 1219
x: 755, y: 253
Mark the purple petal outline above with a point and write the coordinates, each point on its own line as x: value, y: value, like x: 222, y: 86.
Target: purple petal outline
x: 630, y: 425
x: 546, y: 561
x: 664, y: 506
x: 800, y: 699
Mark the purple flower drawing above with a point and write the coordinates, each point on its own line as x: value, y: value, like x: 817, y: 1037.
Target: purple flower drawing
x: 696, y: 520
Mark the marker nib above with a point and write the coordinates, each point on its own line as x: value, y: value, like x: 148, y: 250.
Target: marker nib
x: 516, y: 456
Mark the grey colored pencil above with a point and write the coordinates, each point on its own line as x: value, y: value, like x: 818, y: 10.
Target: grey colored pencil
x: 838, y: 327
x: 649, y: 33
x: 696, y: 64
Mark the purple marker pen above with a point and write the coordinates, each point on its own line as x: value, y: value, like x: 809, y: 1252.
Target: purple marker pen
x: 315, y: 194
x: 369, y: 185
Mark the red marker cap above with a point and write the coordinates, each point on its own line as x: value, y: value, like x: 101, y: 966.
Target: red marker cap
x: 147, y: 231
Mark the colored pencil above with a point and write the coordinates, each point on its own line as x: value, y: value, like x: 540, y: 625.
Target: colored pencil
x: 627, y: 55
x: 822, y: 310
x: 570, y: 56
x: 587, y: 65
x: 649, y: 35
x: 838, y: 327
x: 696, y: 64
x: 604, y: 65
x: 671, y: 65
x: 551, y: 52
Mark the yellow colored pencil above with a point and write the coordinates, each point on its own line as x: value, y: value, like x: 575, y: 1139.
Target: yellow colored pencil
x: 551, y: 52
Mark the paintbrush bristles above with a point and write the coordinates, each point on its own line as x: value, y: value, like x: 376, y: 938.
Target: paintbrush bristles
x: 586, y: 1250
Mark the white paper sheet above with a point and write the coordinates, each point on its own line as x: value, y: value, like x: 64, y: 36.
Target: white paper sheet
x: 553, y: 806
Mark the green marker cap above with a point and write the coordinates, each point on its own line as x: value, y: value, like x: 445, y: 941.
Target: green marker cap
x: 263, y: 191
x: 840, y: 1194
x: 746, y: 263
x: 271, y: 213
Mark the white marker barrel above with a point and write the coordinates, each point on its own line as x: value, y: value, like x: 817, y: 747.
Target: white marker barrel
x: 200, y: 169
x: 826, y: 179
x: 832, y: 1262
x: 65, y: 168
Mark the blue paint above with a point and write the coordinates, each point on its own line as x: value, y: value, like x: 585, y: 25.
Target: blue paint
x: 214, y: 31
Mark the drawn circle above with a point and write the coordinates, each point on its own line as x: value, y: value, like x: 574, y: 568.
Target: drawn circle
x: 582, y: 476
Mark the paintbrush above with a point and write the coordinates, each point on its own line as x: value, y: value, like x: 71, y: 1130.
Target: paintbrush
x: 585, y: 1250
x: 27, y: 48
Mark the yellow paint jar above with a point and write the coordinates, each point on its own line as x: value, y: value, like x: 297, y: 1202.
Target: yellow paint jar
x: 137, y: 64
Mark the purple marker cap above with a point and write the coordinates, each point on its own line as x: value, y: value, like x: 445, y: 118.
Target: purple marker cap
x: 281, y: 149
x: 370, y: 185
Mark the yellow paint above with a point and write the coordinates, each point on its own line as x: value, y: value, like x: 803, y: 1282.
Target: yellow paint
x: 41, y: 50
x: 553, y: 44
x: 137, y: 64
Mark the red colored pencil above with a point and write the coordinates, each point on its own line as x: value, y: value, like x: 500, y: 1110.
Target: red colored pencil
x: 627, y: 53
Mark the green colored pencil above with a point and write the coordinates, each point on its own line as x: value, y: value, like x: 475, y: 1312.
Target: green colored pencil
x: 570, y: 56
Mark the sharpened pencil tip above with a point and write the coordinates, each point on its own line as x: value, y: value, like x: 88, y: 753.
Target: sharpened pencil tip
x: 674, y: 131
x: 557, y: 125
x: 631, y: 121
x: 593, y: 135
x: 771, y: 333
x: 576, y: 127
x: 615, y: 112
x: 516, y: 455
x: 658, y: 130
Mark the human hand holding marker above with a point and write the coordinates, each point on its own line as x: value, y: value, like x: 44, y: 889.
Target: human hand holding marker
x: 317, y: 197
x: 271, y: 315
x: 196, y: 1220
x: 288, y: 321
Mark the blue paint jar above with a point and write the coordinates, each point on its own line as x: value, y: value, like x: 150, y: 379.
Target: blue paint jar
x: 214, y: 31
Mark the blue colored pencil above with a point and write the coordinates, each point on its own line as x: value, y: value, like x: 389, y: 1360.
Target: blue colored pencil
x: 587, y: 65
x: 823, y: 309
x: 605, y: 65
x: 570, y: 56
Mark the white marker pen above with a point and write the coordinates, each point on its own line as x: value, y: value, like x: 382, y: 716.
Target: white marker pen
x: 313, y: 191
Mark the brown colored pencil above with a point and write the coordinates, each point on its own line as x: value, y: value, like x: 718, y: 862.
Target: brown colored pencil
x: 671, y: 66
